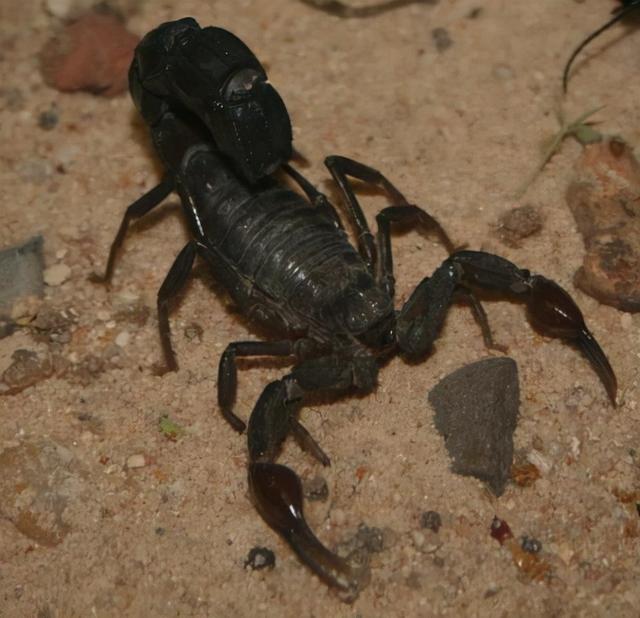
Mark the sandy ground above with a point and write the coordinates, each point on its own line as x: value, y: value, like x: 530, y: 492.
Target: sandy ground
x: 458, y: 130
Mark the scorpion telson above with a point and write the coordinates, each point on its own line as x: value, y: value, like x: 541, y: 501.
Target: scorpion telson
x: 288, y: 264
x: 628, y: 7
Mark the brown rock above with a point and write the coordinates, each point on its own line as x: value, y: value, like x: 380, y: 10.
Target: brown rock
x: 604, y: 198
x: 92, y: 54
x: 519, y: 223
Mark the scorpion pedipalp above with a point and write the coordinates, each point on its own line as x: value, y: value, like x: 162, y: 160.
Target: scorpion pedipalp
x: 554, y: 311
x: 277, y: 493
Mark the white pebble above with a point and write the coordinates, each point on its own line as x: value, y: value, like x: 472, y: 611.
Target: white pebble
x: 543, y: 463
x: 59, y: 8
x: 56, y: 274
x: 418, y: 538
x: 123, y: 339
x: 136, y: 461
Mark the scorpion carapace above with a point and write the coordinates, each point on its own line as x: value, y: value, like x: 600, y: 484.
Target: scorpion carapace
x: 627, y: 7
x: 288, y: 264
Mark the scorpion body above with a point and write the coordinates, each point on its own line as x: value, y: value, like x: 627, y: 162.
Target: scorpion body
x: 288, y: 264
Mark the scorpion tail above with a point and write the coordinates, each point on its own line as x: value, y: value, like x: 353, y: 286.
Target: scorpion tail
x: 277, y: 493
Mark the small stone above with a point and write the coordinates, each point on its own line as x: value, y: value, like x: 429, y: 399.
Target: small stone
x: 565, y: 552
x: 531, y: 545
x: 316, y: 489
x: 500, y: 530
x: 193, y: 332
x: 418, y: 538
x: 122, y: 339
x: 59, y: 8
x: 28, y: 368
x: 603, y: 198
x: 476, y: 410
x: 49, y: 119
x: 57, y: 274
x: 431, y: 520
x: 260, y: 558
x: 92, y: 53
x: 519, y: 223
x: 136, y: 461
x: 540, y: 461
x: 441, y: 39
x: 20, y: 274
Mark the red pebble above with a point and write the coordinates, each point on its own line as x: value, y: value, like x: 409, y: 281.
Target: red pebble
x: 93, y: 53
x: 500, y: 530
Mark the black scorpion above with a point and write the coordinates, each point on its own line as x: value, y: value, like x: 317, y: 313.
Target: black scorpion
x: 220, y: 129
x: 627, y: 7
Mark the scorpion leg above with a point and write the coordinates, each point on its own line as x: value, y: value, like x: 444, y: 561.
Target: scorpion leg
x: 318, y: 199
x: 405, y: 215
x: 139, y: 208
x: 480, y: 315
x: 413, y: 215
x: 172, y: 284
x: 550, y: 307
x: 340, y: 168
x: 228, y: 373
x: 276, y: 489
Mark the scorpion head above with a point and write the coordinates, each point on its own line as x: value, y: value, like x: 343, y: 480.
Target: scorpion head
x: 367, y: 312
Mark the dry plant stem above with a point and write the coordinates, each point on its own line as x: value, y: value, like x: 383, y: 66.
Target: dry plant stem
x: 565, y: 131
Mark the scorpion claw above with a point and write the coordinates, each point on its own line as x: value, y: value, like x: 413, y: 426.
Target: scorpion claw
x: 599, y: 362
x: 555, y: 312
x: 277, y: 493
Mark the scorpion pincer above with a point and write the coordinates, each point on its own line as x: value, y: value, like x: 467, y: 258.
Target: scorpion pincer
x: 220, y: 129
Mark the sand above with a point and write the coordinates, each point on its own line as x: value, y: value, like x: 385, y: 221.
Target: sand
x: 126, y: 522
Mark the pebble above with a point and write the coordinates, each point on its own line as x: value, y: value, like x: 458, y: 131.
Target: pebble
x: 316, y: 489
x: 476, y: 411
x: 136, y: 461
x: 91, y: 54
x: 543, y: 463
x: 260, y: 558
x: 431, y: 520
x: 418, y: 538
x: 20, y: 274
x: 122, y: 339
x: 58, y: 8
x: 441, y: 38
x: 49, y: 119
x: 604, y: 203
x: 519, y: 223
x: 56, y: 274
